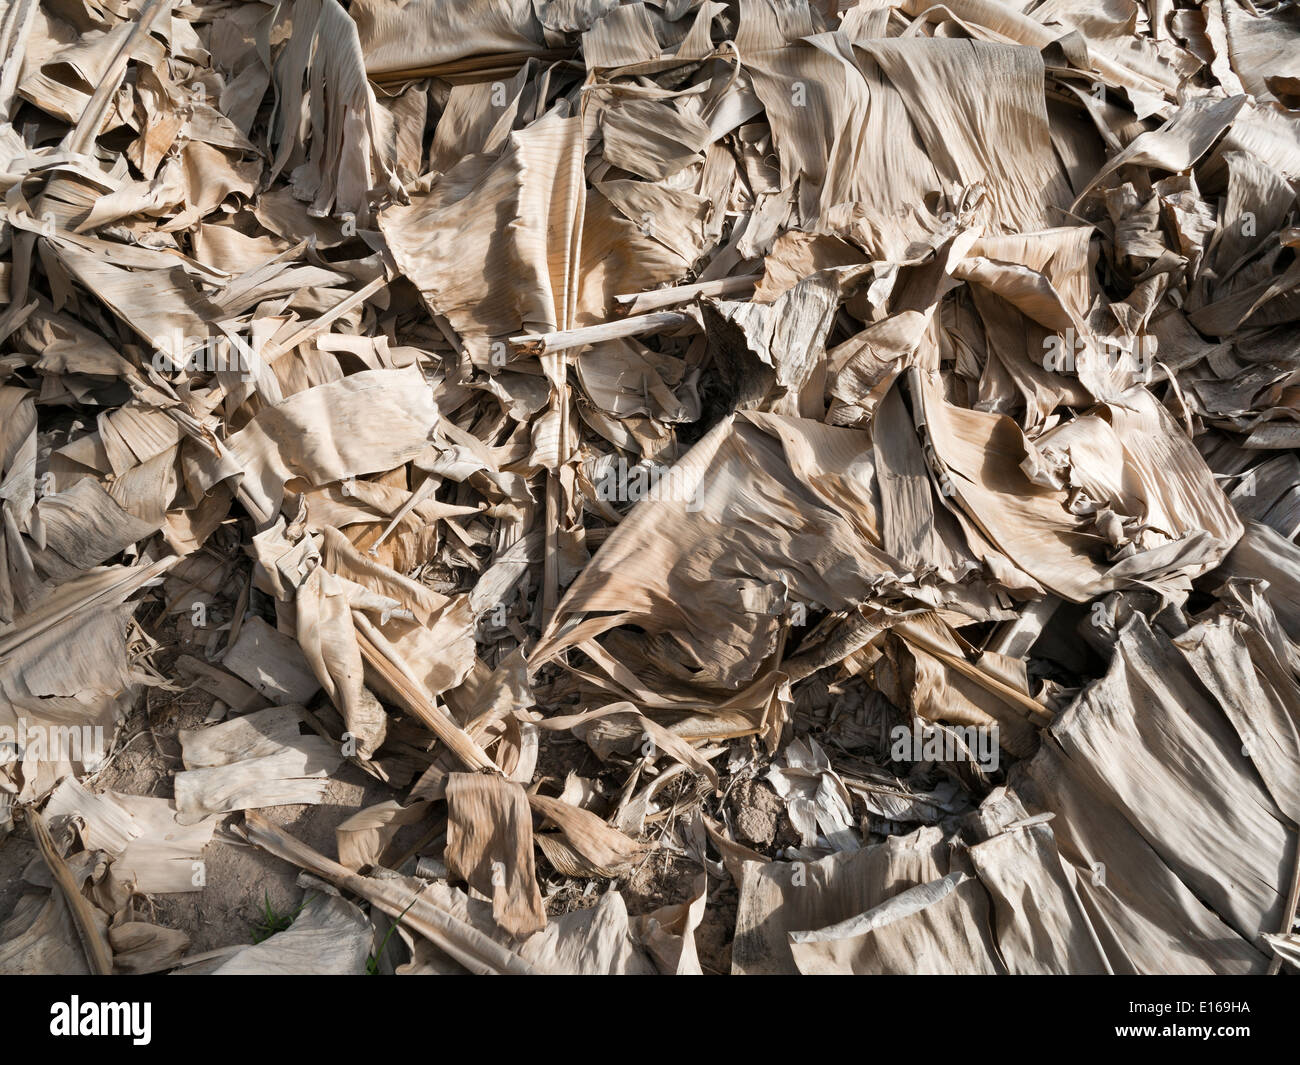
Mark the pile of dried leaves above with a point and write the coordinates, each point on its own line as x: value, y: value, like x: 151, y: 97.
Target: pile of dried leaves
x: 748, y: 485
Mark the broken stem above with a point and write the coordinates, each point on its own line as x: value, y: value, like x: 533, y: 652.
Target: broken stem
x: 637, y: 325
x: 657, y: 298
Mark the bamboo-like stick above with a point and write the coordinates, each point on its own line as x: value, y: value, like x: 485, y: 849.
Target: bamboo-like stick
x: 636, y: 325
x: 460, y: 941
x: 658, y: 298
